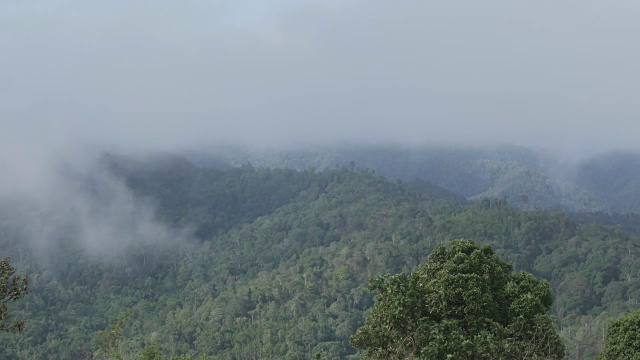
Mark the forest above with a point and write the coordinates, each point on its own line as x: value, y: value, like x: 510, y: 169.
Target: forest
x: 286, y: 255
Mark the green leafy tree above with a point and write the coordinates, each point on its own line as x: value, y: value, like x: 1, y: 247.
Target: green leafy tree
x: 109, y: 341
x: 12, y: 288
x: 462, y: 303
x: 151, y: 352
x: 623, y: 338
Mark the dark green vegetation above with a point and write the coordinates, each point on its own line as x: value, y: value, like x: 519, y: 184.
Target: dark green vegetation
x: 12, y: 288
x: 462, y: 303
x: 280, y: 262
x: 608, y: 183
x: 615, y: 177
x: 623, y: 338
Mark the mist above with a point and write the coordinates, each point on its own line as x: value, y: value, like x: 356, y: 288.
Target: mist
x: 72, y: 198
x: 79, y: 78
x: 164, y: 75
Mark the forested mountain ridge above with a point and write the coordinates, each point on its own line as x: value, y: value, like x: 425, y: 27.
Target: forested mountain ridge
x: 280, y: 262
x: 614, y: 176
x: 607, y: 182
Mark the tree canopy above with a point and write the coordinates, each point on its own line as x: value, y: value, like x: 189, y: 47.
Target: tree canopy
x: 12, y: 288
x: 623, y: 338
x: 462, y: 303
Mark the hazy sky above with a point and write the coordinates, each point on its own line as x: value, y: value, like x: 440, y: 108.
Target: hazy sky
x: 176, y: 73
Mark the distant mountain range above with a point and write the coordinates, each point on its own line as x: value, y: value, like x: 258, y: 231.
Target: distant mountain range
x: 608, y: 183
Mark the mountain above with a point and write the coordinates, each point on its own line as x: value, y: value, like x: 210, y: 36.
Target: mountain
x: 608, y: 182
x: 277, y: 262
x: 613, y: 176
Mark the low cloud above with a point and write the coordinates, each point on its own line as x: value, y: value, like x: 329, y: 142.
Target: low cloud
x: 71, y: 197
x: 167, y: 74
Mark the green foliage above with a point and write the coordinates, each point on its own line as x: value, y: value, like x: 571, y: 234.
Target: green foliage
x: 500, y: 171
x: 623, y: 338
x: 615, y: 177
x: 109, y: 342
x: 151, y: 352
x: 12, y: 288
x: 211, y: 200
x: 189, y: 357
x: 462, y: 303
x: 281, y: 260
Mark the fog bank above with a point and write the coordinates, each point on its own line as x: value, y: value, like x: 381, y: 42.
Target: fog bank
x: 175, y: 74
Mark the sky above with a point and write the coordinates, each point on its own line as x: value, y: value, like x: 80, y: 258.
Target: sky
x: 162, y: 74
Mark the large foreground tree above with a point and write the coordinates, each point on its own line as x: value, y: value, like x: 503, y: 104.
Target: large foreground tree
x: 462, y: 303
x: 623, y: 338
x: 12, y: 288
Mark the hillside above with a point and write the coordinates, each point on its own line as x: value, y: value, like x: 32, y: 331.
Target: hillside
x: 613, y: 176
x: 528, y: 179
x: 279, y: 260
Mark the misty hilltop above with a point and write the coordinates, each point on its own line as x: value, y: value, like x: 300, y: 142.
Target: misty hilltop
x: 607, y: 182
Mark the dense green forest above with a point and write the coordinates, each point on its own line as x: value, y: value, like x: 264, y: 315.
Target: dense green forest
x: 278, y: 260
x: 605, y: 182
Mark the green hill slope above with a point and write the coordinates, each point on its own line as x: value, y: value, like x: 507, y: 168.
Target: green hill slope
x: 607, y: 183
x: 281, y: 260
